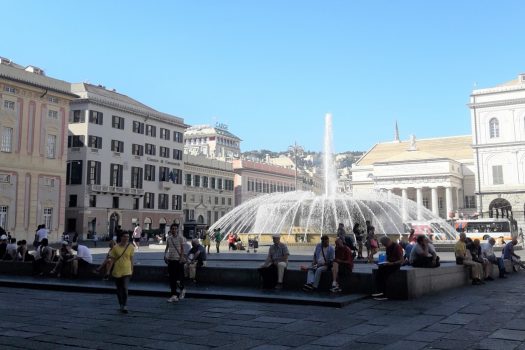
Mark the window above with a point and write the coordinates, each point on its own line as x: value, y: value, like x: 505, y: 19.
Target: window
x: 177, y: 176
x: 470, y: 202
x: 52, y: 99
x: 48, y: 218
x: 149, y: 200
x: 219, y: 184
x: 138, y: 127
x: 137, y: 150
x: 48, y: 182
x: 95, y: 142
x: 117, y: 122
x: 151, y: 130
x: 216, y: 200
x: 7, y: 140
x: 229, y: 201
x: 52, y: 114
x: 115, y: 175
x: 184, y: 197
x: 75, y: 141
x: 93, y: 172
x: 117, y: 146
x: 164, y: 134
x: 176, y: 202
x: 494, y: 128
x: 5, y: 178
x: 426, y: 203
x: 51, y: 146
x: 150, y: 149
x: 177, y: 154
x: 135, y: 204
x: 149, y: 172
x: 213, y: 183
x: 178, y: 136
x: 164, y: 152
x: 72, y: 201
x: 497, y: 175
x: 188, y: 179
x: 164, y: 173
x: 74, y: 172
x: 93, y: 201
x: 223, y: 201
x: 440, y: 202
x: 205, y: 181
x: 136, y: 177
x: 4, y: 210
x: 163, y: 201
x: 12, y: 90
x: 77, y: 116
x: 9, y: 105
x: 96, y: 117
x: 115, y: 203
x: 197, y: 181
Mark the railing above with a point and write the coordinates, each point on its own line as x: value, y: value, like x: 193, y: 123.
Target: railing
x: 117, y: 190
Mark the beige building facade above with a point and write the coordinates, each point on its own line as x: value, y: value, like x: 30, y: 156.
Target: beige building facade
x: 34, y: 110
x: 208, y: 189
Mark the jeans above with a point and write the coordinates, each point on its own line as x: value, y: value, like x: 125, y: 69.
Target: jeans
x: 176, y: 272
x: 383, y: 272
x: 314, y: 275
x: 122, y: 284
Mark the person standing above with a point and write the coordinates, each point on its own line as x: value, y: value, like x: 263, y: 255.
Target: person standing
x: 41, y: 233
x: 217, y: 236
x: 206, y: 240
x: 175, y: 258
x: 359, y: 239
x: 137, y: 235
x: 122, y: 259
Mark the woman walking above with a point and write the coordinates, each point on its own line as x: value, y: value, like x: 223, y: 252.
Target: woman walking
x: 174, y: 257
x: 122, y: 257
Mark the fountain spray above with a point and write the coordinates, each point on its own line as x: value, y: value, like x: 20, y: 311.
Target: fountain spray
x: 330, y: 177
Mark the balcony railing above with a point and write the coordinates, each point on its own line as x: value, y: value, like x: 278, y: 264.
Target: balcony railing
x: 117, y: 190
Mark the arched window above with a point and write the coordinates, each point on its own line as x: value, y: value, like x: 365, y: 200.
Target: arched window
x: 494, y: 128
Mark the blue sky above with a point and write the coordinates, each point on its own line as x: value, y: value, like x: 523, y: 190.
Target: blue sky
x: 272, y: 69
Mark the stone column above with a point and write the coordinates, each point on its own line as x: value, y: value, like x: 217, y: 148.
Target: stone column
x: 449, y: 201
x: 419, y: 199
x: 435, y: 201
x: 459, y: 203
x: 404, y: 208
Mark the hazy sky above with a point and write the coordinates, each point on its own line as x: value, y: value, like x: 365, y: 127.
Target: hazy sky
x: 272, y: 69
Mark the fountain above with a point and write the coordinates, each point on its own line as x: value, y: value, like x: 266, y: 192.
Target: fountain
x: 303, y: 216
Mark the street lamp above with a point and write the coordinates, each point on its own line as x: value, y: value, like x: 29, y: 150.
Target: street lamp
x: 296, y: 150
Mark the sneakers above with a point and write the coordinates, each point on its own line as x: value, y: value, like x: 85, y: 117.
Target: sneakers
x: 279, y: 286
x: 378, y: 295
x: 489, y: 278
x: 124, y: 309
x: 173, y: 299
x: 308, y: 287
x: 381, y: 298
x: 336, y: 289
x: 182, y: 294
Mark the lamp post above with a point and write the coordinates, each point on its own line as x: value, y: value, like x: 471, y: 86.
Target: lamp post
x: 297, y: 150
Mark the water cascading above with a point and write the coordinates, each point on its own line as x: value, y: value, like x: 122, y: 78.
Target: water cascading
x: 302, y: 213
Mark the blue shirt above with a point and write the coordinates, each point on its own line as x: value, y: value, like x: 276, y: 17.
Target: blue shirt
x: 329, y: 253
x: 508, y: 251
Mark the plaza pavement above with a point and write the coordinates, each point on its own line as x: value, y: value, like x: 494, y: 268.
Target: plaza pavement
x: 491, y: 316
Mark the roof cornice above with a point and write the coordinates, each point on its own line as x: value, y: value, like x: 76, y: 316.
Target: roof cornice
x: 509, y: 102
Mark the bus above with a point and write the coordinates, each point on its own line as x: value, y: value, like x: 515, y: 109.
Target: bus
x: 482, y: 229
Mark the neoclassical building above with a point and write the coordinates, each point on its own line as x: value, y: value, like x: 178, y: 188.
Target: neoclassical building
x: 498, y: 138
x: 212, y: 142
x: 33, y: 135
x: 208, y: 189
x: 437, y: 173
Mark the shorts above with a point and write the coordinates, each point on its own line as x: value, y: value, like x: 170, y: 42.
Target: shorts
x: 136, y: 240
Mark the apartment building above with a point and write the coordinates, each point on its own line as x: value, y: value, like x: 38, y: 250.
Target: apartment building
x: 33, y: 133
x: 125, y: 164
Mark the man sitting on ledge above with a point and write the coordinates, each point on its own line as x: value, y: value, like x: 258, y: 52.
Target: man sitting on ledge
x: 463, y: 257
x: 324, y: 255
x: 508, y: 254
x: 275, y: 264
x: 423, y: 253
x: 343, y: 258
x: 487, y: 252
x: 394, y: 260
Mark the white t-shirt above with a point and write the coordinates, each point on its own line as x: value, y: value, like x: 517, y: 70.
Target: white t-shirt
x: 42, y: 233
x: 137, y: 232
x: 84, y: 253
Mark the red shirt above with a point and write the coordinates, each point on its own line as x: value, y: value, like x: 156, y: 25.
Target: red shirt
x: 343, y: 255
x: 394, y: 252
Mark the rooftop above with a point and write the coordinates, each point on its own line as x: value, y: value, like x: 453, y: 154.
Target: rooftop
x: 208, y: 130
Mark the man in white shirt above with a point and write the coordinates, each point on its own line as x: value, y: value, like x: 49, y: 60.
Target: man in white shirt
x: 83, y: 258
x: 487, y: 252
x: 42, y: 233
x: 137, y: 234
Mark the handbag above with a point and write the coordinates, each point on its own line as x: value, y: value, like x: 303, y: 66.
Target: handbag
x: 327, y: 263
x: 373, y: 243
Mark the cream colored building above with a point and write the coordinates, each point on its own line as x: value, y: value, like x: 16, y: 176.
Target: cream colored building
x: 208, y: 189
x: 212, y: 142
x: 125, y: 164
x: 498, y: 137
x: 33, y: 134
x: 437, y: 173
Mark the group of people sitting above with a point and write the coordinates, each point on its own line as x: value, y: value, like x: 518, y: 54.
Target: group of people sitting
x: 11, y: 250
x: 68, y: 259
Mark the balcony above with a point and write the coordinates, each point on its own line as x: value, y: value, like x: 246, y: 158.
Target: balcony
x: 124, y: 191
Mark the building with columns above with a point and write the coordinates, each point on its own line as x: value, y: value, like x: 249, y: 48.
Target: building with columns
x: 208, y: 189
x: 33, y: 134
x: 498, y: 138
x: 212, y: 142
x: 437, y: 173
